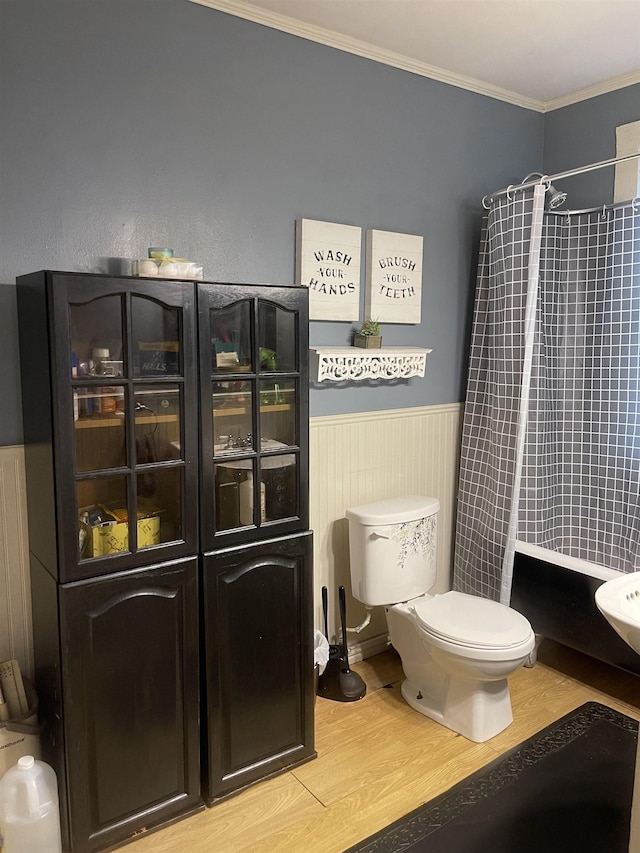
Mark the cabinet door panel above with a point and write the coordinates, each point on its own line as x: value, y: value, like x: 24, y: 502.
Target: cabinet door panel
x: 254, y: 439
x: 122, y: 367
x: 259, y: 661
x: 131, y: 701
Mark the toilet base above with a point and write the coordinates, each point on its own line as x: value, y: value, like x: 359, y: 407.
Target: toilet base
x: 475, y: 710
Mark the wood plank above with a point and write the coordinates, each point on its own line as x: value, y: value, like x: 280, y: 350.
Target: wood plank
x: 264, y: 810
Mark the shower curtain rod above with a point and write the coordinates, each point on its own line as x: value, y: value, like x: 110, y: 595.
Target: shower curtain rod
x: 548, y: 179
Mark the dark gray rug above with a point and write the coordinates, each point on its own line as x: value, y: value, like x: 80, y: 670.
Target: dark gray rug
x: 568, y: 789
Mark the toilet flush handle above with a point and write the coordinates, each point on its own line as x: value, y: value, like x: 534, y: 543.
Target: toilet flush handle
x: 382, y: 533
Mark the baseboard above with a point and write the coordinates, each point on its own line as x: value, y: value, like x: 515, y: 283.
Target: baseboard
x: 367, y: 648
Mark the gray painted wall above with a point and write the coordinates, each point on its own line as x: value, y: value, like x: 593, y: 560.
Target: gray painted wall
x: 131, y: 123
x: 128, y: 124
x: 585, y: 133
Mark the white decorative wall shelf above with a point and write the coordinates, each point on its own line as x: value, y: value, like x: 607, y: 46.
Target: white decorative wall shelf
x: 340, y: 364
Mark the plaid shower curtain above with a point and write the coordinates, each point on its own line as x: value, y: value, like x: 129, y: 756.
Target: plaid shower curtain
x: 580, y: 491
x: 551, y: 432
x: 497, y: 391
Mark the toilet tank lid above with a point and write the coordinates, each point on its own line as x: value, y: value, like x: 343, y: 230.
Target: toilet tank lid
x: 394, y: 510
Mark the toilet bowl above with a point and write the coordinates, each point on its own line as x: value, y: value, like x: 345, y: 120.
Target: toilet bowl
x: 457, y: 668
x: 457, y: 650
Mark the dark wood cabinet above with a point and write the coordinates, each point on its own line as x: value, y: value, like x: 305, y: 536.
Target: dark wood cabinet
x: 166, y: 450
x: 121, y: 705
x: 111, y: 446
x: 259, y: 696
x: 257, y: 565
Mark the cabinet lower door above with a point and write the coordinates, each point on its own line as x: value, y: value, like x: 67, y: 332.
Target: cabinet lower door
x: 130, y: 699
x: 258, y: 661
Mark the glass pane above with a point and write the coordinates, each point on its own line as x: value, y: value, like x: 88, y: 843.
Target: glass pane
x: 227, y: 498
x: 102, y: 517
x: 156, y: 337
x: 157, y: 423
x: 96, y: 337
x: 279, y: 480
x: 232, y: 417
x: 277, y: 344
x: 159, y: 506
x: 231, y: 337
x: 277, y: 413
x: 99, y: 427
x: 235, y: 494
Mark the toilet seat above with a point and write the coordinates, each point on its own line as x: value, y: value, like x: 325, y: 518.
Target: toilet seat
x: 471, y: 622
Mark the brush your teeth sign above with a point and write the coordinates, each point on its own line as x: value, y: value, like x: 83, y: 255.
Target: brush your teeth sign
x: 328, y: 263
x: 394, y: 277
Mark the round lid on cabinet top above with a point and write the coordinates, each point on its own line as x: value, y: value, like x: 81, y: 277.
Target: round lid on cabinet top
x: 472, y: 621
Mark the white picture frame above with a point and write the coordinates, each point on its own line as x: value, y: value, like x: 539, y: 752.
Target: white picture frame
x: 394, y: 277
x: 328, y: 263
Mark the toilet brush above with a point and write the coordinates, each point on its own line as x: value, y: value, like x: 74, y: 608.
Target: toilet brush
x: 338, y: 681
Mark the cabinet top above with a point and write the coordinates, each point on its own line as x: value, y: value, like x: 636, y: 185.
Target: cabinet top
x: 150, y: 279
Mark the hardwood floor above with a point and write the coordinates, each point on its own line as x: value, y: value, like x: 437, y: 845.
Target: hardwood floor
x: 378, y: 759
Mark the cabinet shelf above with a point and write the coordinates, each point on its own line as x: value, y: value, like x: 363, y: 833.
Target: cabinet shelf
x: 354, y: 364
x: 93, y: 423
x: 238, y: 411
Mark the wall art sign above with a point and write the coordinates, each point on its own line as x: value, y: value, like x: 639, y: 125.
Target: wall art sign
x: 394, y: 277
x: 328, y: 263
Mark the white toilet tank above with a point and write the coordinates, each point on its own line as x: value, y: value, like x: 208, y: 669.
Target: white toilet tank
x: 392, y: 546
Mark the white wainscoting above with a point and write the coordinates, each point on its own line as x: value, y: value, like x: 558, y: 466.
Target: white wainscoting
x: 355, y: 459
x: 15, y: 591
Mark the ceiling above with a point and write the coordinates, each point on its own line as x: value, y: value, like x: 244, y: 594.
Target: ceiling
x: 541, y: 54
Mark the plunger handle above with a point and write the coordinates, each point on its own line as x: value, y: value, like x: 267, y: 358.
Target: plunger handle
x: 325, y: 608
x: 343, y: 622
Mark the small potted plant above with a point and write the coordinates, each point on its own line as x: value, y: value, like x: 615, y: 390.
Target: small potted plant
x: 369, y: 335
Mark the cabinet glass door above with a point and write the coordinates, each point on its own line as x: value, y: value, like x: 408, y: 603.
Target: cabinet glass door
x: 254, y: 427
x: 128, y: 385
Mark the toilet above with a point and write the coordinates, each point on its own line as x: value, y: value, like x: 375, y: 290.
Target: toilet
x: 457, y: 650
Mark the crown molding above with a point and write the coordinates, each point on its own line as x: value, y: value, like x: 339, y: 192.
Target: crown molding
x: 593, y: 91
x: 241, y: 9
x: 330, y: 38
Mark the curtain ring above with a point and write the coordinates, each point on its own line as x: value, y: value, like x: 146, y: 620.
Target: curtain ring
x: 509, y: 197
x: 545, y: 181
x: 487, y: 206
x: 603, y: 214
x: 634, y: 202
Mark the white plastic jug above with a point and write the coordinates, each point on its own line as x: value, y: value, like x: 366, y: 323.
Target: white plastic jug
x: 29, y: 811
